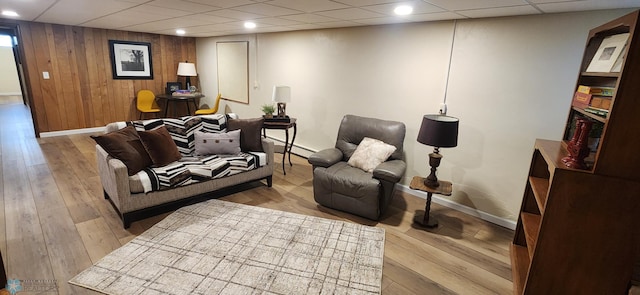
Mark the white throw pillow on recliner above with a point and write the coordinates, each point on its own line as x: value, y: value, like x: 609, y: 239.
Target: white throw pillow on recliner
x: 217, y: 143
x: 370, y: 153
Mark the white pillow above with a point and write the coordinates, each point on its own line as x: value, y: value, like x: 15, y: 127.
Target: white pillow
x: 370, y: 153
x: 217, y: 143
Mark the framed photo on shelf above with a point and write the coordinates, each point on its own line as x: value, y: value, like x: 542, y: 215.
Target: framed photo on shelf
x: 608, y: 52
x: 173, y: 87
x: 131, y: 60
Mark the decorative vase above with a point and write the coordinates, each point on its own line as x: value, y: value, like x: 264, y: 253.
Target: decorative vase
x: 578, y: 149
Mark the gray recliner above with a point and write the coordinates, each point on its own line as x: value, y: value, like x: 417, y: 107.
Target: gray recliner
x: 339, y: 186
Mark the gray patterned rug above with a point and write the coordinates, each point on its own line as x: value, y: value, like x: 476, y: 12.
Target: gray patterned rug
x: 219, y: 247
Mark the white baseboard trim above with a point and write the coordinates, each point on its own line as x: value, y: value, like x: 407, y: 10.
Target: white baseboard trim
x: 299, y: 150
x: 71, y: 131
x: 510, y: 224
x: 10, y: 93
x: 306, y: 152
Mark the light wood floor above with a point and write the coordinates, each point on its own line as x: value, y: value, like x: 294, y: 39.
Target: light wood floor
x: 55, y: 222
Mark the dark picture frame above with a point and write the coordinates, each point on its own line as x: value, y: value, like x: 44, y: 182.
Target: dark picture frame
x: 173, y: 86
x: 131, y: 60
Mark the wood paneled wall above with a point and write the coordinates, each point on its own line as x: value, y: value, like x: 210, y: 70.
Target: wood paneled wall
x: 81, y: 91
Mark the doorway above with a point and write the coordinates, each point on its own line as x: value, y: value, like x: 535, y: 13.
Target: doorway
x: 14, y: 95
x: 10, y: 92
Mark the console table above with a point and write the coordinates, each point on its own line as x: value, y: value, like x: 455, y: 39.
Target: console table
x: 177, y: 99
x: 445, y: 188
x: 283, y: 126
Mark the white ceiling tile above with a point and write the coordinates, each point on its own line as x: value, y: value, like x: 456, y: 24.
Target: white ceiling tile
x: 277, y: 21
x: 350, y: 13
x: 122, y: 19
x: 309, y: 5
x: 474, y: 4
x: 435, y: 16
x: 382, y: 20
x: 26, y: 10
x: 309, y: 18
x: 234, y: 14
x: 587, y: 5
x: 75, y: 12
x: 183, y: 5
x: 418, y: 7
x: 173, y: 23
x: 550, y: 1
x: 502, y: 11
x: 222, y: 3
x: 366, y: 2
x: 223, y: 17
x: 266, y: 9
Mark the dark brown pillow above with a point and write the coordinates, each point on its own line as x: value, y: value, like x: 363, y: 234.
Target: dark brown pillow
x: 125, y: 145
x: 160, y: 146
x: 250, y: 140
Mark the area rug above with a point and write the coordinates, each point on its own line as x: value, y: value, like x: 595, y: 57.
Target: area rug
x: 220, y: 247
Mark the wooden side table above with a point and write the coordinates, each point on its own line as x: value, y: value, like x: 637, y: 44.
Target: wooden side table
x: 425, y: 219
x: 177, y: 99
x: 283, y: 126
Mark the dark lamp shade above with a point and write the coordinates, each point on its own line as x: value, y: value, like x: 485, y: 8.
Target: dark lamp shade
x: 439, y: 131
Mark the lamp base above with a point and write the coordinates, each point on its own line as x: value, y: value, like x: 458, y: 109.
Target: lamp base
x: 422, y: 220
x: 434, y: 161
x: 282, y: 109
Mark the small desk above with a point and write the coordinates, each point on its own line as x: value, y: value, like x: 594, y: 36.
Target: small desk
x: 178, y: 98
x: 425, y: 219
x: 283, y: 126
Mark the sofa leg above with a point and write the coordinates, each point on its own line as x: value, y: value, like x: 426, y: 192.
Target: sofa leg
x: 269, y: 181
x: 106, y: 196
x: 126, y: 222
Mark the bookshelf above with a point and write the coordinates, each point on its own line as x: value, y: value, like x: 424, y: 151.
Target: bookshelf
x: 577, y: 228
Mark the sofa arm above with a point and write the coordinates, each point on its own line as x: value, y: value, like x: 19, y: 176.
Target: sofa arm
x: 268, y: 148
x: 325, y: 158
x: 391, y: 171
x: 114, y: 178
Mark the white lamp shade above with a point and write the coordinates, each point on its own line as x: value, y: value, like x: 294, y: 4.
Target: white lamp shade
x: 187, y: 69
x: 281, y: 94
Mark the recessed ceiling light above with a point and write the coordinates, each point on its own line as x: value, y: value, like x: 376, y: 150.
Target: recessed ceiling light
x: 249, y: 25
x: 403, y: 10
x: 9, y: 13
x: 180, y: 32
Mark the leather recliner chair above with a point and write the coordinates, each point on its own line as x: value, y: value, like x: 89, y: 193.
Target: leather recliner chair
x: 339, y: 186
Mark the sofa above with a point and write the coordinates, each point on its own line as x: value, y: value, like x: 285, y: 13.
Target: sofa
x: 186, y: 177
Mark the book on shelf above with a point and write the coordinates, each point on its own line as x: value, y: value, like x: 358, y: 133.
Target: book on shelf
x: 596, y: 90
x: 597, y: 111
x: 581, y: 99
x: 601, y: 102
x: 610, y: 49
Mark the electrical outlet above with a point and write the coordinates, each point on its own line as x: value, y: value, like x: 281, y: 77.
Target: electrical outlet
x: 443, y: 108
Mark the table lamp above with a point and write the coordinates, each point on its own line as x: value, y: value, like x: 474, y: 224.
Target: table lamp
x: 281, y: 95
x: 187, y: 69
x: 437, y: 131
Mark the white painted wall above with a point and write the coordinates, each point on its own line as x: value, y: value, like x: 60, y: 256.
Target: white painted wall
x: 511, y: 81
x: 9, y: 84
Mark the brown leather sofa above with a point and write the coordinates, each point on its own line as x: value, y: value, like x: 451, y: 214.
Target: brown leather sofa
x: 339, y: 186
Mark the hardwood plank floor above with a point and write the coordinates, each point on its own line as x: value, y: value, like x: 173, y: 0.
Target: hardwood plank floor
x: 55, y: 222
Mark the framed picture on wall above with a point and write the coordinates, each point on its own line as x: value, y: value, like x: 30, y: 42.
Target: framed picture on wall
x: 131, y: 60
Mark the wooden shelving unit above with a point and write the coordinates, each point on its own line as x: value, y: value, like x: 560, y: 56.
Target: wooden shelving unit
x: 577, y: 229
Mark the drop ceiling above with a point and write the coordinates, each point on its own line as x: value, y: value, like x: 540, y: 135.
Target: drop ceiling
x: 204, y: 18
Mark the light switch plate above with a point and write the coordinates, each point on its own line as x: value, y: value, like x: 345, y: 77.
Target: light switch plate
x: 45, y: 75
